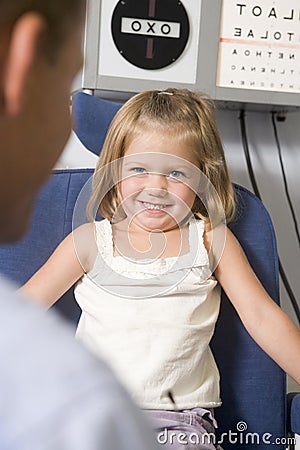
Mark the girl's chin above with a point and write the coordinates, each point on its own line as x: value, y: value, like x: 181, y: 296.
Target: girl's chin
x: 151, y: 219
x: 154, y: 224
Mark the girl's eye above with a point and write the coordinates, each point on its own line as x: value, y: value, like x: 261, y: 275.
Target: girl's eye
x: 138, y: 170
x: 176, y: 174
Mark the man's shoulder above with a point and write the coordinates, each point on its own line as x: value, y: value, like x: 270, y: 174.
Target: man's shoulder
x: 53, y: 391
x: 43, y: 368
x: 41, y: 351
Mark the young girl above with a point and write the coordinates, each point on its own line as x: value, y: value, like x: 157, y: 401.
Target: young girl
x: 148, y: 275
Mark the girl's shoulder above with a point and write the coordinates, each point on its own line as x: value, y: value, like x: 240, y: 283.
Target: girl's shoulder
x: 214, y: 239
x: 85, y: 243
x: 84, y: 231
x: 209, y: 231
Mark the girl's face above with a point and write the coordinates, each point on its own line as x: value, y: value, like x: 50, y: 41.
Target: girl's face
x: 159, y: 181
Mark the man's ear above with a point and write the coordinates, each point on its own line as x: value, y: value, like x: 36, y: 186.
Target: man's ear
x: 22, y: 53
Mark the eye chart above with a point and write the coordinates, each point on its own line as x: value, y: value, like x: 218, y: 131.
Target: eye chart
x: 259, y: 46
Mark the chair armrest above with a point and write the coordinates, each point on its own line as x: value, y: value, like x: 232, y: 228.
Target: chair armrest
x: 293, y: 412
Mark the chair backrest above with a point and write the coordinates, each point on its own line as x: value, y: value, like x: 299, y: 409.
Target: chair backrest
x: 252, y: 385
x: 92, y: 117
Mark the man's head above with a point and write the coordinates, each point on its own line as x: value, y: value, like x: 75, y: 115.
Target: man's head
x: 60, y: 16
x: 40, y: 53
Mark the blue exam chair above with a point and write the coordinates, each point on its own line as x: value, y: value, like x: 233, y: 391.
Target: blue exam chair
x: 255, y: 411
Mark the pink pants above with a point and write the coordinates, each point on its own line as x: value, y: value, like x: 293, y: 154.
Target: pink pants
x: 189, y: 429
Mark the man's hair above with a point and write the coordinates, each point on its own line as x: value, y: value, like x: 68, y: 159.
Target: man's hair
x: 60, y: 15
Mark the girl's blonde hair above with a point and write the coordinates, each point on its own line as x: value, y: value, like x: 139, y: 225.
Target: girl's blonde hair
x: 183, y: 114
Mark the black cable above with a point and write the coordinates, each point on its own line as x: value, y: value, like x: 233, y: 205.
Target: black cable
x: 257, y: 193
x: 286, y: 188
x: 247, y: 154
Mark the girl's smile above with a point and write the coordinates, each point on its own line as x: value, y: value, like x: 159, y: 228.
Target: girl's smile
x: 154, y: 207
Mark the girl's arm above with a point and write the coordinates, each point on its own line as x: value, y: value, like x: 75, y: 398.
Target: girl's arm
x: 269, y: 326
x: 73, y: 257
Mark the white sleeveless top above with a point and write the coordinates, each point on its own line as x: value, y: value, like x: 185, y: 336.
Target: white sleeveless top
x: 153, y: 321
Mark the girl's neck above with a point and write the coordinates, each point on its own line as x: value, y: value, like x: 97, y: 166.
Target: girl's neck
x: 138, y: 243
